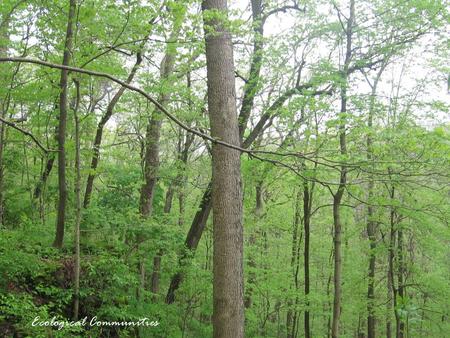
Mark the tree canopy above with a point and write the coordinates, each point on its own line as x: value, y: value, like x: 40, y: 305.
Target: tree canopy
x: 315, y: 133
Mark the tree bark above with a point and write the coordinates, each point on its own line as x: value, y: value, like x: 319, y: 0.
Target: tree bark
x: 342, y: 180
x: 307, y: 203
x: 251, y: 87
x: 4, y: 38
x: 228, y: 304
x: 76, y: 302
x: 99, y: 133
x: 201, y: 217
x: 400, y: 282
x: 191, y: 242
x: 392, y: 291
x: 44, y: 176
x: 62, y: 188
x: 371, y: 223
x: 153, y: 133
x: 292, y: 313
x: 152, y: 140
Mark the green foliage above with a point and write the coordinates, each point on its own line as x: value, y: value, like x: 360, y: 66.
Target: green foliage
x: 403, y: 152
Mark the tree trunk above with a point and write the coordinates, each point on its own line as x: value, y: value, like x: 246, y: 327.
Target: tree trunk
x: 251, y: 87
x: 371, y: 224
x: 62, y: 188
x: 337, y: 266
x: 191, y: 242
x: 400, y: 281
x: 371, y: 276
x: 201, y: 217
x: 292, y: 313
x: 99, y: 133
x: 392, y: 291
x: 228, y: 304
x: 46, y: 173
x: 151, y: 156
x: 76, y: 302
x: 4, y: 38
x: 307, y: 196
x: 342, y: 180
x: 50, y: 160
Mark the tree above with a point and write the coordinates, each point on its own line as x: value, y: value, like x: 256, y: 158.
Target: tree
x: 63, y: 107
x: 228, y: 288
x: 314, y: 101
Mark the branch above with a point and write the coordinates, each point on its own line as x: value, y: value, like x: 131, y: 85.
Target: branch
x: 283, y: 9
x: 137, y: 90
x: 173, y: 117
x: 39, y: 144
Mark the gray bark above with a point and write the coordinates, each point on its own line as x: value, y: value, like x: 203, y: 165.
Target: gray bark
x: 228, y: 304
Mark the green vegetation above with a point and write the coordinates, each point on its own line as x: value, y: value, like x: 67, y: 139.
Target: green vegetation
x: 326, y: 173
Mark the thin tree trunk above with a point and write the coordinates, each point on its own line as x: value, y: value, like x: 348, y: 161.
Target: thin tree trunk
x: 182, y: 178
x: 99, y: 133
x: 258, y: 212
x: 342, y: 180
x: 4, y: 39
x: 191, y: 242
x: 178, y: 184
x: 76, y: 291
x: 50, y: 160
x: 371, y: 276
x: 292, y: 313
x: 62, y: 188
x: 252, y: 84
x: 371, y: 224
x: 307, y: 202
x: 151, y: 156
x: 153, y: 133
x: 228, y: 304
x: 400, y: 281
x: 46, y: 173
x: 337, y: 267
x: 391, y: 256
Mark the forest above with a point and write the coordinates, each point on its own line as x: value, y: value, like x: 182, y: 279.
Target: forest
x: 227, y: 169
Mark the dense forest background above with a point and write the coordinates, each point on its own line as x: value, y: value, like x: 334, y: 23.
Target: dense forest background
x: 317, y: 132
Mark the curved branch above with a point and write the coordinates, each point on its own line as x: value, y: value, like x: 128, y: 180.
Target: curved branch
x: 23, y: 131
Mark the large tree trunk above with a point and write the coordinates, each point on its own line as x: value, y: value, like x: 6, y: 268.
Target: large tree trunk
x: 201, y: 217
x: 62, y: 188
x: 228, y: 288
